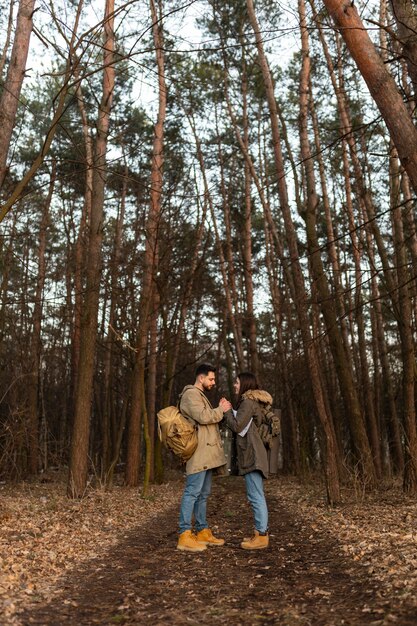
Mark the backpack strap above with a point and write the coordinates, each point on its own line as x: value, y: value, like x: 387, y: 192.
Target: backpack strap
x: 190, y: 419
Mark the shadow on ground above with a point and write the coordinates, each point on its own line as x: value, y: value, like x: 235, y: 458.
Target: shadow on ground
x: 301, y: 579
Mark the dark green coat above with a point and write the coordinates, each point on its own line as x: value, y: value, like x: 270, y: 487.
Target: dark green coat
x: 251, y: 452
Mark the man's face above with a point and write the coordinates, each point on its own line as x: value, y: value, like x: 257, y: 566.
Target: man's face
x: 208, y: 381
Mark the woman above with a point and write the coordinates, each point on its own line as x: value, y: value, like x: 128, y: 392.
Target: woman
x: 252, y: 459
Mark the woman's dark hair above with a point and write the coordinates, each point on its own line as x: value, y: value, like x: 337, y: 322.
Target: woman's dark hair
x: 247, y: 381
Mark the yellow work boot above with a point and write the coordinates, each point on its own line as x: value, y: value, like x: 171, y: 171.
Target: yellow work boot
x: 187, y: 542
x: 258, y: 542
x: 206, y: 537
x: 249, y: 538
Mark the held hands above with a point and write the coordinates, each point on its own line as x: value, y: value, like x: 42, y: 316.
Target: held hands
x: 225, y: 405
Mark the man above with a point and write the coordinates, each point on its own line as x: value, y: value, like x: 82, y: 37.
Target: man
x: 208, y: 456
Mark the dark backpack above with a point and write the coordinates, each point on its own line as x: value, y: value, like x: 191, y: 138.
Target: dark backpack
x: 270, y: 426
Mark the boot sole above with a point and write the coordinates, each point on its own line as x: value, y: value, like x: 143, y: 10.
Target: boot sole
x: 183, y: 549
x: 256, y: 548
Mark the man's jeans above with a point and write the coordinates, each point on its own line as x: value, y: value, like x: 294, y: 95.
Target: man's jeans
x: 256, y: 497
x: 194, y: 500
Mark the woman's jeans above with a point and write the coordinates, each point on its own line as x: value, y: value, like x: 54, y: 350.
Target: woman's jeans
x: 255, y: 493
x: 194, y: 501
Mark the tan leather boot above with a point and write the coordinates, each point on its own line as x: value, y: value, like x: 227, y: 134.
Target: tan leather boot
x: 258, y: 542
x: 187, y: 542
x: 207, y: 537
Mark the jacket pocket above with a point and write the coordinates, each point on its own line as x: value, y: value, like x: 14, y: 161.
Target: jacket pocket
x: 245, y: 456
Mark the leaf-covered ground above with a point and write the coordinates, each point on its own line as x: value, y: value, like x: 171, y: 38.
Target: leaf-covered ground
x: 111, y: 558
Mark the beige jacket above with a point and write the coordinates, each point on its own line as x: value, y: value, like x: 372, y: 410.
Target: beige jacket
x: 209, y: 454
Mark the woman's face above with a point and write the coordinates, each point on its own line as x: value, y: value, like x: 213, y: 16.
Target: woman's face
x: 236, y: 386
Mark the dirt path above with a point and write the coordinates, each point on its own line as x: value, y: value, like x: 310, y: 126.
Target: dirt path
x: 300, y: 580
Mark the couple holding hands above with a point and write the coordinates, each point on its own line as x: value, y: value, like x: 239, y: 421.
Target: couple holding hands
x: 252, y: 458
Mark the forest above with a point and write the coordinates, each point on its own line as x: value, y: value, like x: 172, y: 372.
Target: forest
x: 231, y: 182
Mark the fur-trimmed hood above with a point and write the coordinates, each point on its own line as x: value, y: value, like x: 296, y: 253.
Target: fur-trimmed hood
x: 259, y: 395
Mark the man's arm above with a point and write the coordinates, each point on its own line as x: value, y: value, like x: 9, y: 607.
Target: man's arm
x: 194, y: 405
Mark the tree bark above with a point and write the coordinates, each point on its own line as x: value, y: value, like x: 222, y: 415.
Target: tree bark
x: 405, y: 13
x: 6, y: 254
x: 330, y: 446
x: 8, y: 38
x: 406, y: 335
x: 81, y: 429
x: 369, y: 218
x: 380, y: 83
x: 237, y: 318
x: 226, y: 281
x: 110, y: 421
x: 341, y: 358
x: 58, y: 112
x: 36, y: 342
x: 290, y: 443
x: 150, y: 262
x: 9, y: 99
x: 80, y: 248
x: 151, y: 396
x: 247, y: 231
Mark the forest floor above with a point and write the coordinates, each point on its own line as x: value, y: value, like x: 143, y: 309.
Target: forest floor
x: 111, y: 559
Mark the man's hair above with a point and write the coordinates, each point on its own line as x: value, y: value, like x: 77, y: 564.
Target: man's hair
x: 247, y: 381
x: 204, y: 369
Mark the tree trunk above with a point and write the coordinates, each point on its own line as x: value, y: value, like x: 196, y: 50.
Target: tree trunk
x: 406, y: 335
x: 405, y: 13
x: 8, y: 38
x: 237, y: 318
x: 81, y: 429
x: 332, y: 248
x: 291, y: 451
x: 278, y: 244
x: 380, y: 83
x: 36, y: 345
x: 232, y: 314
x: 110, y: 420
x: 80, y: 249
x: 330, y: 447
x: 150, y: 261
x: 152, y: 382
x: 341, y: 358
x: 6, y: 254
x: 58, y: 112
x: 247, y: 230
x: 410, y: 234
x: 369, y: 219
x: 9, y: 99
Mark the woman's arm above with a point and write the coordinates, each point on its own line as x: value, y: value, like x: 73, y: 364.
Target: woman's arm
x: 244, y: 414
